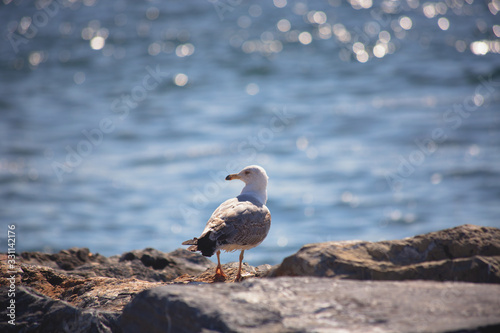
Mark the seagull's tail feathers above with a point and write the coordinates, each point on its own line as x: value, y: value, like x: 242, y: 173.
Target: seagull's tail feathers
x: 193, y: 241
x: 194, y: 244
x: 203, y: 244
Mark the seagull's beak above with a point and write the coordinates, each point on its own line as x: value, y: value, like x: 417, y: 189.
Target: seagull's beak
x: 233, y: 176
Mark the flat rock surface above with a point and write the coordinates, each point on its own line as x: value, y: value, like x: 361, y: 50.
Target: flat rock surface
x: 309, y: 304
x: 466, y: 253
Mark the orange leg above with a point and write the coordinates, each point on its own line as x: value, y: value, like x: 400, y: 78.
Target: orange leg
x: 238, y: 276
x: 218, y: 271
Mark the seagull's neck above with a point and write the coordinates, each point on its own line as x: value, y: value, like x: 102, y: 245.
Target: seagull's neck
x: 257, y: 192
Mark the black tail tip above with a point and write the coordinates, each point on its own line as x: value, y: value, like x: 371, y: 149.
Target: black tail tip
x: 206, y: 245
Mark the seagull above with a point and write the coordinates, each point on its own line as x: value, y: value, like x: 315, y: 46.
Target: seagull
x: 239, y: 223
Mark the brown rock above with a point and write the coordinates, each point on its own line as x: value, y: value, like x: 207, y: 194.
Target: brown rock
x: 65, y: 259
x: 230, y: 269
x: 465, y: 253
x: 148, y: 264
x: 97, y: 282
x: 77, y: 291
x: 104, y: 293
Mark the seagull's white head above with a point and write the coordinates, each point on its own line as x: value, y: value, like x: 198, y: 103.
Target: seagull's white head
x: 255, y: 179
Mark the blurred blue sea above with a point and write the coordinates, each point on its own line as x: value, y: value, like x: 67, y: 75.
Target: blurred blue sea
x: 120, y: 119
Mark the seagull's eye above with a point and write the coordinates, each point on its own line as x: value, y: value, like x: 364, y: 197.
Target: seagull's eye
x: 247, y: 172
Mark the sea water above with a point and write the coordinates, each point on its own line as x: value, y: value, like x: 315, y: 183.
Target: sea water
x: 119, y: 120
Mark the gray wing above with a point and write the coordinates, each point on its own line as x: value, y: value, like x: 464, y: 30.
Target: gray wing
x: 239, y: 222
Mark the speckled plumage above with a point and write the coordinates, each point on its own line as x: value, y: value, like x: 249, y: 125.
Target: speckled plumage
x: 238, y: 224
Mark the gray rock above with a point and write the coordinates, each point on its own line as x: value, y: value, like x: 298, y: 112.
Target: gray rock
x: 38, y: 313
x: 77, y: 291
x: 181, y: 261
x: 308, y: 304
x: 466, y: 253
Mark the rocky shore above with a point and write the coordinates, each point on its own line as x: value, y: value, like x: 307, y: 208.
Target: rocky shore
x: 445, y: 281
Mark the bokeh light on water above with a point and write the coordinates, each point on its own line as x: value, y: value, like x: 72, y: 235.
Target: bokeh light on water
x: 119, y: 119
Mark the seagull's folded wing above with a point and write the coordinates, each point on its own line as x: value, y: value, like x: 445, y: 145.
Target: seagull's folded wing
x: 238, y: 223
